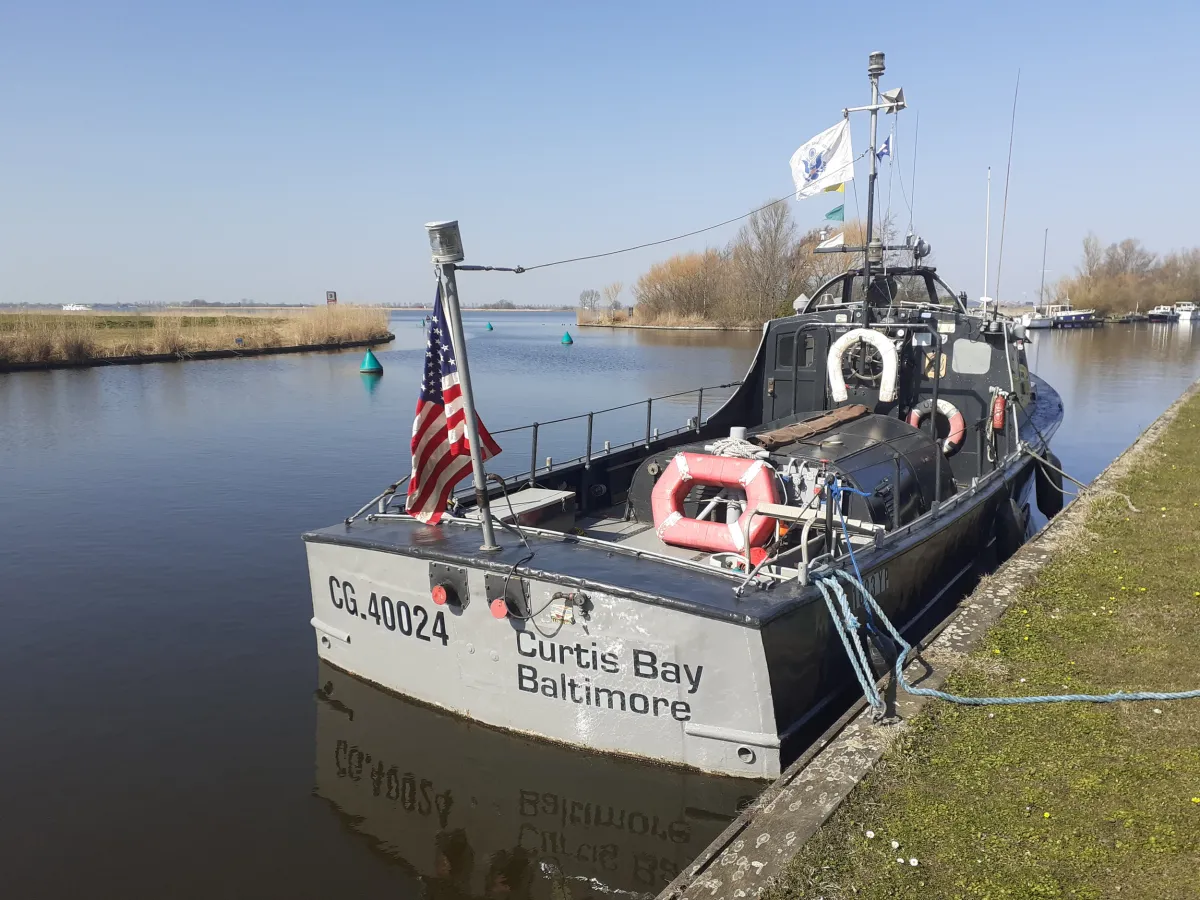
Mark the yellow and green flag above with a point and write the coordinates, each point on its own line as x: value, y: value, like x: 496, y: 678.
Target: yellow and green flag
x: 840, y: 188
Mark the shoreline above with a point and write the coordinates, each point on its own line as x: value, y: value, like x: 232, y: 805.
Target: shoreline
x: 188, y: 356
x: 821, y: 798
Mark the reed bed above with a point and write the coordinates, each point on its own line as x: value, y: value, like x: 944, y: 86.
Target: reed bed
x: 78, y: 337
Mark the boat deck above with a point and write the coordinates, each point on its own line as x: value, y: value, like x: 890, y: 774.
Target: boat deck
x: 568, y: 560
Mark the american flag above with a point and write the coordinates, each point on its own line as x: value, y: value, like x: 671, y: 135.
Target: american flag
x: 441, y: 453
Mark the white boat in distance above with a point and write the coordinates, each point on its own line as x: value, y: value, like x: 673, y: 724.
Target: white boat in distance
x: 1187, y: 311
x: 1060, y: 315
x: 76, y: 307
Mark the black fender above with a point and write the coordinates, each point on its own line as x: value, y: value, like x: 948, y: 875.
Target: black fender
x: 1049, y: 486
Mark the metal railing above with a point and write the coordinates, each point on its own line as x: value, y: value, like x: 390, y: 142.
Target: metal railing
x: 694, y: 423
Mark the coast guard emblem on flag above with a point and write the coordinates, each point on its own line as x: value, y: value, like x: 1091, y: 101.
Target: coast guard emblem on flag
x: 441, y: 453
x: 813, y: 168
x: 823, y: 162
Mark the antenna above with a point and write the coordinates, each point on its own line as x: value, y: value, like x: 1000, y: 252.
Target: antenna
x: 1007, y: 173
x: 987, y: 234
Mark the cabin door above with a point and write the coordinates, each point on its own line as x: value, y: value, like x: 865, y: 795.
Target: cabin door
x: 795, y: 382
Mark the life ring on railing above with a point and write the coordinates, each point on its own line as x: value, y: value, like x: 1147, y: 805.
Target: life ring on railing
x: 887, y: 351
x: 687, y: 470
x: 958, y: 425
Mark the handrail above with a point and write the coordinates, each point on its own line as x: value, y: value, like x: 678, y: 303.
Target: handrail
x: 597, y: 412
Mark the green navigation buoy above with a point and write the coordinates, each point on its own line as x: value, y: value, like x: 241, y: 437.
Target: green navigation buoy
x: 370, y: 365
x: 567, y: 338
x: 489, y: 328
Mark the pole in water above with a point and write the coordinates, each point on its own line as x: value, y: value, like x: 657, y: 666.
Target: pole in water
x: 446, y: 243
x: 370, y: 365
x: 566, y: 338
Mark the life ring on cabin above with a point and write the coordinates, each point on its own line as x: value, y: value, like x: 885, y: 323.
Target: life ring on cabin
x: 887, y: 351
x: 687, y: 470
x: 958, y: 425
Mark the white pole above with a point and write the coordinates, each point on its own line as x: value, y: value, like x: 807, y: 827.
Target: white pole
x: 987, y: 230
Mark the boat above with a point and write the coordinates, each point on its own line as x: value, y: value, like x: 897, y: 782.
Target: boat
x: 1037, y: 319
x: 1163, y: 313
x: 663, y: 598
x: 1187, y: 311
x: 1063, y: 315
x: 75, y: 307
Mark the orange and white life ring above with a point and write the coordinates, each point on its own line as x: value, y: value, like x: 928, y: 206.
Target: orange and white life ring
x: 687, y: 470
x: 958, y: 425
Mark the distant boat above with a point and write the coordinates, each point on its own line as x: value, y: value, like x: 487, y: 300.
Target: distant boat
x: 1163, y: 314
x: 76, y: 307
x: 1187, y: 311
x: 1036, y: 319
x: 1061, y: 315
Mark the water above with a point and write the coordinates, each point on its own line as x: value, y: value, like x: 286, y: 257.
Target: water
x: 167, y: 729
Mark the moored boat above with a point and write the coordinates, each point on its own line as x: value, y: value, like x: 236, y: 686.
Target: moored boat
x: 1163, y: 314
x: 1063, y: 315
x: 659, y: 599
x: 1187, y: 311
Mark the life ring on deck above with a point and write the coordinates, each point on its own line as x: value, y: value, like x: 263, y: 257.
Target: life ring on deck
x: 687, y: 470
x: 887, y: 351
x: 958, y: 425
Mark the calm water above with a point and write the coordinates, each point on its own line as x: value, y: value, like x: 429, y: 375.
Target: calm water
x: 167, y: 729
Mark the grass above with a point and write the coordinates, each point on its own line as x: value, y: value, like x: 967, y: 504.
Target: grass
x: 666, y: 320
x: 1071, y: 800
x: 82, y: 336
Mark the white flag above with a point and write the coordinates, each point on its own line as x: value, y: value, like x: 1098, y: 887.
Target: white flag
x: 826, y: 159
x: 836, y: 241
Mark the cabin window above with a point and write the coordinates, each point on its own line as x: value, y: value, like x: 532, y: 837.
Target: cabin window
x: 784, y: 351
x: 785, y: 346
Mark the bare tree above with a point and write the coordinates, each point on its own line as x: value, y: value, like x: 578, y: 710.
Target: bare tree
x: 762, y: 262
x: 589, y: 300
x: 611, y: 293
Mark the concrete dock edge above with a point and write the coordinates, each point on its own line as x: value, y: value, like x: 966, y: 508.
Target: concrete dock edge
x: 745, y: 859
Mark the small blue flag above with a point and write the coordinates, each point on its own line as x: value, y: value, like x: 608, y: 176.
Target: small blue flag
x: 885, y: 149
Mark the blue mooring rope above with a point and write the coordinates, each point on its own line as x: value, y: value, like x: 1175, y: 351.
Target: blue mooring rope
x: 858, y: 660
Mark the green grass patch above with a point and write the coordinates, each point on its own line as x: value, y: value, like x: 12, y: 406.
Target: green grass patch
x: 1061, y: 800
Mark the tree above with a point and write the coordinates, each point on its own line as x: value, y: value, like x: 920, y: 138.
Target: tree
x: 611, y: 293
x: 763, y: 263
x: 589, y: 300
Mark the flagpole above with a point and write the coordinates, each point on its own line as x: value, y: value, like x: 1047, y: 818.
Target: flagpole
x: 446, y: 243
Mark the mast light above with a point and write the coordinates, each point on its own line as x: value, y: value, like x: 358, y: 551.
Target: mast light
x: 445, y: 241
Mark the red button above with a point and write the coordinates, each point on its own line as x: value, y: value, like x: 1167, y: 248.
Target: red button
x: 499, y: 608
x: 439, y: 595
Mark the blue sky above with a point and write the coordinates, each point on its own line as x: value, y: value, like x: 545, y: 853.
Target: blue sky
x: 276, y: 150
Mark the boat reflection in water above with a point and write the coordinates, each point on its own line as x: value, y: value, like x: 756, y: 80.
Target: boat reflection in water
x: 474, y: 812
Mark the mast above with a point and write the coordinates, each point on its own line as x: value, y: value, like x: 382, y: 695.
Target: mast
x: 1042, y: 289
x: 874, y: 248
x: 987, y: 235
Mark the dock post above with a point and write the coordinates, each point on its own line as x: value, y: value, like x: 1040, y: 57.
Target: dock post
x: 588, y: 458
x: 699, y: 410
x: 446, y: 243
x: 649, y: 413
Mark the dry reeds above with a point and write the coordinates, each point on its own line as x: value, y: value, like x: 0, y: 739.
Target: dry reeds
x: 78, y: 337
